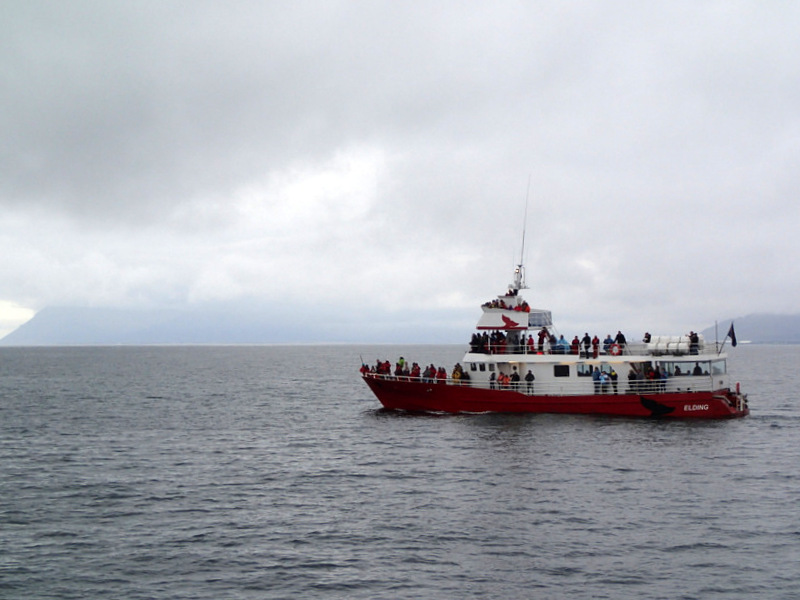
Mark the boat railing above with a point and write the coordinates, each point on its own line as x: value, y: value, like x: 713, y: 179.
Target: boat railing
x: 686, y: 383
x: 628, y: 349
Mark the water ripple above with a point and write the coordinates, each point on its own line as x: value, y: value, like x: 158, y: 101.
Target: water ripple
x: 236, y: 472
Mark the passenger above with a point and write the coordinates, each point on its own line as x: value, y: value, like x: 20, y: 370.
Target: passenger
x: 596, y: 380
x: 657, y: 378
x: 562, y: 347
x: 493, y: 341
x: 457, y: 374
x: 613, y: 376
x: 587, y: 341
x: 474, y: 343
x: 620, y: 340
x: 595, y: 346
x: 529, y: 379
x: 694, y: 343
x: 607, y: 343
x: 492, y: 381
x: 514, y: 379
x: 502, y: 380
x: 632, y: 387
x: 697, y: 370
x: 465, y: 378
x: 574, y: 346
x: 646, y: 338
x: 543, y: 335
x: 641, y: 383
x: 441, y: 375
x: 415, y: 370
x: 651, y: 377
x: 604, y: 381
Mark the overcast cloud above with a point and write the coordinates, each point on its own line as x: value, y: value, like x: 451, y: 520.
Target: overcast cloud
x: 342, y: 154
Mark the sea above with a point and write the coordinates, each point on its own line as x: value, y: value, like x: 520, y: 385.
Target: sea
x: 257, y: 472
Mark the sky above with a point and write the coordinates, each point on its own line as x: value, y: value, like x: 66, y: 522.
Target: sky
x: 335, y: 157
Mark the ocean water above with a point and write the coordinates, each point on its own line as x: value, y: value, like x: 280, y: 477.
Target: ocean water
x: 271, y: 472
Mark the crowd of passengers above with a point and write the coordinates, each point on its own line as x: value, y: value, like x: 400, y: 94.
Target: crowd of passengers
x: 545, y: 342
x: 500, y: 303
x: 654, y: 379
x: 644, y: 380
x: 498, y: 342
x: 649, y: 380
x: 430, y: 374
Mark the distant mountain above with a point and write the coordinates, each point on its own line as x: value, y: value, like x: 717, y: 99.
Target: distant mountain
x: 253, y: 323
x: 80, y: 326
x: 233, y: 323
x: 761, y: 329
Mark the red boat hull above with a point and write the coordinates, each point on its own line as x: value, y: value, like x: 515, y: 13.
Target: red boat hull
x: 416, y: 395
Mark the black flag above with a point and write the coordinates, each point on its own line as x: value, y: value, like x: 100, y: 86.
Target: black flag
x: 732, y: 335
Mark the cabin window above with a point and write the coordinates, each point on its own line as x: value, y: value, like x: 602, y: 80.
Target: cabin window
x: 482, y: 367
x: 717, y: 367
x: 584, y: 370
x: 473, y: 367
x: 560, y: 370
x: 700, y: 368
x: 677, y: 369
x: 491, y: 366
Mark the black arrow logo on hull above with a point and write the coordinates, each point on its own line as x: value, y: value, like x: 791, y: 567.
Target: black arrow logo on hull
x: 656, y: 408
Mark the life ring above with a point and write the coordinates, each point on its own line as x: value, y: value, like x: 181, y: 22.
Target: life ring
x: 614, y: 350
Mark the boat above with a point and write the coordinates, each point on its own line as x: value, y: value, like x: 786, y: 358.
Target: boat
x: 516, y: 364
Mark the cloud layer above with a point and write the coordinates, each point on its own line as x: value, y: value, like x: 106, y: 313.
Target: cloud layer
x: 345, y: 154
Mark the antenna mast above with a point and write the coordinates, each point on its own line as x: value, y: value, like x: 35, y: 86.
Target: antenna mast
x: 519, y: 272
